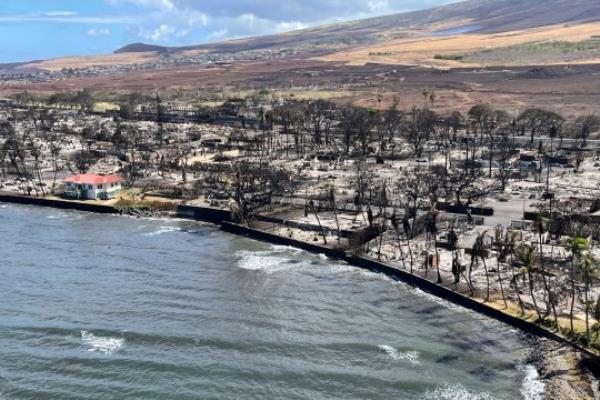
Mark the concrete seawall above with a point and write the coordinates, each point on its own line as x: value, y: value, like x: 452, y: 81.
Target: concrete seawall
x: 280, y: 240
x: 57, y: 203
x: 205, y: 214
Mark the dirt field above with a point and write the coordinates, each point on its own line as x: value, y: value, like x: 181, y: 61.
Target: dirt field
x: 422, y: 50
x: 571, y: 90
x: 58, y: 64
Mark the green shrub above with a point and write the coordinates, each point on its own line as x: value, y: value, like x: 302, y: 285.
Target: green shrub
x: 449, y: 57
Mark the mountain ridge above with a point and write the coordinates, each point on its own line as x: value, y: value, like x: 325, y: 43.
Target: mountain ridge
x: 484, y: 16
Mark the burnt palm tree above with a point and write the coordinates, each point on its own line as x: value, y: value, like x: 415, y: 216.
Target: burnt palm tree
x: 541, y: 227
x: 396, y: 226
x: 510, y: 246
x: 478, y: 252
x: 574, y: 245
x: 527, y: 259
x: 408, y: 234
x: 432, y: 231
x: 498, y: 235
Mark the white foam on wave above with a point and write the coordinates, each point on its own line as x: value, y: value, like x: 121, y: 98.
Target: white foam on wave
x: 456, y: 392
x: 412, y: 357
x: 532, y: 388
x: 275, y: 258
x: 438, y: 300
x: 264, y: 261
x: 105, y: 345
x: 163, y: 230
x: 275, y: 248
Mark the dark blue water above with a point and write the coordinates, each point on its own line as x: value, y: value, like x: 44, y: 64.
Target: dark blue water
x: 97, y: 307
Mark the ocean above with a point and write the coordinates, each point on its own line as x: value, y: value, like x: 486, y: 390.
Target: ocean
x: 108, y: 307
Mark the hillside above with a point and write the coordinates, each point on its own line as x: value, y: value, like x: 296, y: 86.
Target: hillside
x: 472, y: 16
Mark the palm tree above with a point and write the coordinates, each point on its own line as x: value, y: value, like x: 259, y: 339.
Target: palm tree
x: 478, y: 252
x: 408, y: 234
x: 432, y: 231
x: 527, y: 258
x: 396, y: 226
x: 541, y: 228
x: 588, y: 265
x: 574, y: 245
x: 510, y: 246
x: 456, y: 267
x: 498, y: 234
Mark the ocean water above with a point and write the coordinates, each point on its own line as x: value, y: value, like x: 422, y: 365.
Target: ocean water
x: 106, y: 307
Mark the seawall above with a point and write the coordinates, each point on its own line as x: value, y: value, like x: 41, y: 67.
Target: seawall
x: 57, y: 203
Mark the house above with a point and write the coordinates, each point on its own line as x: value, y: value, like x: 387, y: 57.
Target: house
x: 92, y: 186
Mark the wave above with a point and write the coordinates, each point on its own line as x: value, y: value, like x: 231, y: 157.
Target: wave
x: 412, y: 357
x: 264, y: 261
x: 275, y: 258
x: 532, y: 388
x: 105, y: 345
x: 456, y: 392
x: 162, y: 230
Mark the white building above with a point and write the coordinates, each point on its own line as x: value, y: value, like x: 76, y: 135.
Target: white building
x: 92, y: 186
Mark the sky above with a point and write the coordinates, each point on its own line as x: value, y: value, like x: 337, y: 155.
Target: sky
x: 42, y: 29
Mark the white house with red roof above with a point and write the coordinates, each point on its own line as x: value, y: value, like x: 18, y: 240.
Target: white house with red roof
x: 92, y: 186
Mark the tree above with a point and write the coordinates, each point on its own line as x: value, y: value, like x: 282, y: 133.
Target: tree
x: 488, y: 121
x: 249, y: 187
x: 346, y: 126
x: 542, y: 228
x: 575, y: 246
x: 506, y: 148
x: 479, y: 252
x: 588, y: 266
x: 585, y: 126
x: 539, y: 121
x: 527, y: 260
x: 160, y: 119
x: 396, y: 225
x: 416, y: 187
x: 462, y: 183
x: 85, y: 100
x: 506, y: 243
x: 364, y: 121
x: 419, y: 126
x: 317, y: 112
x: 392, y: 119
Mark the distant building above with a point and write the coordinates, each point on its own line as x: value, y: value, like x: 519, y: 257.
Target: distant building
x: 92, y: 186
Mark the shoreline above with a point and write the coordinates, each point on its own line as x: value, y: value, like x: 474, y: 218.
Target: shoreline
x: 567, y: 370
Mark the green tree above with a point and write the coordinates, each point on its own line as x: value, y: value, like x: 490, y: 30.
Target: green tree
x: 575, y: 246
x: 588, y: 266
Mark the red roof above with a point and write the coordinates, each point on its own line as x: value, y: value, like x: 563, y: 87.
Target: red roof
x: 93, y: 179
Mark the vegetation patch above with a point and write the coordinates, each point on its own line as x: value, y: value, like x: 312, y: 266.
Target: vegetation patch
x: 449, y: 57
x: 538, y: 52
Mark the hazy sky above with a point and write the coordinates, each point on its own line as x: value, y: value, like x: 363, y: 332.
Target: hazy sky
x: 39, y: 29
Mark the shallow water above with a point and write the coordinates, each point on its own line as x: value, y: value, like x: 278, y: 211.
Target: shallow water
x: 103, y: 307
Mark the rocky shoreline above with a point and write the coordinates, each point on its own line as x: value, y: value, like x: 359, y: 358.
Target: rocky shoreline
x: 566, y: 373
